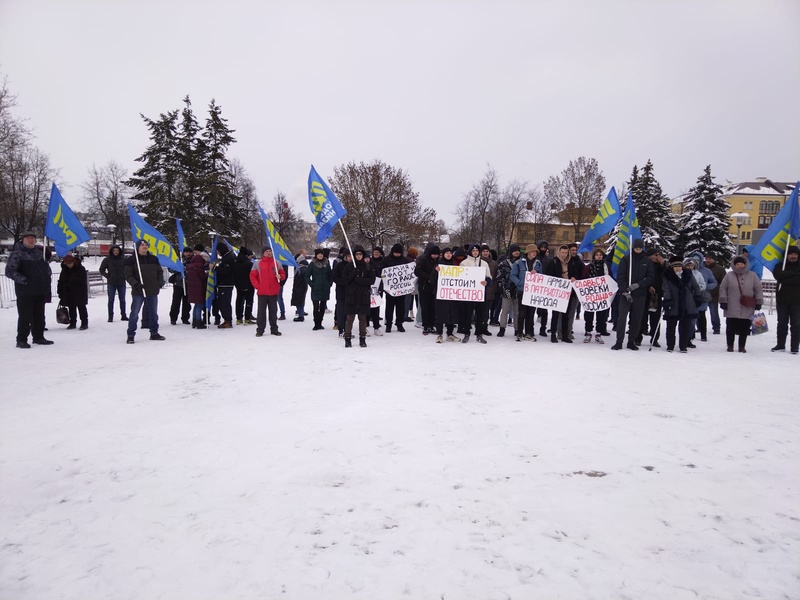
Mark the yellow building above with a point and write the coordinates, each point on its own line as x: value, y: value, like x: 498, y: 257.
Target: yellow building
x: 760, y: 199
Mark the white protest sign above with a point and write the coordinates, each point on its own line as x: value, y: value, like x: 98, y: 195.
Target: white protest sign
x: 461, y: 283
x: 544, y: 291
x: 399, y: 280
x: 375, y: 299
x: 595, y: 293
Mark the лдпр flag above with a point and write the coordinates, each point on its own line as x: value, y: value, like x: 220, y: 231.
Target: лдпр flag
x: 159, y: 246
x: 211, y: 282
x: 770, y: 249
x: 325, y: 207
x: 62, y: 226
x: 607, y: 217
x: 280, y: 251
x: 182, y: 243
x: 628, y: 231
x: 231, y: 247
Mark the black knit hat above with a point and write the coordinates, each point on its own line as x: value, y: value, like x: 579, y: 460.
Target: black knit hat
x: 513, y: 248
x: 638, y: 243
x: 792, y: 250
x: 200, y: 248
x: 676, y: 261
x: 435, y: 250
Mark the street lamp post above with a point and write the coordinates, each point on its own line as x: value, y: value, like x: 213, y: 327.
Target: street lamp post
x: 740, y: 219
x: 112, y: 228
x: 94, y: 235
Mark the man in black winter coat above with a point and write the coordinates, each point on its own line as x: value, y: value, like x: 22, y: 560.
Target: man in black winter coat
x: 146, y: 278
x: 546, y: 261
x: 31, y: 275
x: 180, y: 298
x: 244, y: 287
x: 634, y: 276
x: 113, y: 270
x: 225, y: 281
x: 359, y: 276
x: 788, y: 299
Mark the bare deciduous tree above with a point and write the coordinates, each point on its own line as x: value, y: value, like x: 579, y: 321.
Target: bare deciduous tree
x: 106, y: 194
x: 473, y: 214
x: 577, y: 192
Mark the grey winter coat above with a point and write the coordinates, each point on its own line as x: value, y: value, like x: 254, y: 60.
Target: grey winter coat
x: 729, y: 292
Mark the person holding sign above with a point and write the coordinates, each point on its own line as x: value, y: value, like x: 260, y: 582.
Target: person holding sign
x: 474, y: 260
x: 560, y: 268
x: 597, y: 268
x: 446, y: 310
x: 523, y: 325
x: 395, y: 305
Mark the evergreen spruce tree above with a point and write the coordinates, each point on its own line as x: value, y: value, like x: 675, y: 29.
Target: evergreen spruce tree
x: 219, y: 206
x: 704, y: 223
x: 190, y: 149
x: 155, y: 183
x: 654, y: 210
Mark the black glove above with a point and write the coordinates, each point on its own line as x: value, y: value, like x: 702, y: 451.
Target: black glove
x: 136, y: 287
x: 633, y: 287
x: 627, y: 296
x: 723, y: 305
x: 758, y: 307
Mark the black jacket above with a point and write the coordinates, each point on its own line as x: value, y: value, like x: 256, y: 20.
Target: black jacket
x: 423, y: 270
x: 73, y: 285
x: 30, y: 272
x: 152, y: 274
x: 113, y: 267
x: 241, y: 273
x: 226, y: 270
x: 359, y: 277
x: 641, y: 272
x: 680, y: 295
x: 300, y: 285
x: 788, y: 282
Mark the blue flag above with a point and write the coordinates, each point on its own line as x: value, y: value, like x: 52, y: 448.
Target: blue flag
x: 182, y: 243
x: 62, y: 226
x: 280, y: 251
x: 325, y: 207
x: 770, y: 250
x: 628, y: 231
x: 159, y: 246
x: 607, y: 217
x: 231, y: 247
x: 211, y: 282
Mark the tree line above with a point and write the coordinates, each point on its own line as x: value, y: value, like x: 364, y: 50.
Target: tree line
x: 186, y: 172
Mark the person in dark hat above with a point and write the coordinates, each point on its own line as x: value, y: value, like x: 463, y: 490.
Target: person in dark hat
x: 788, y: 300
x: 244, y: 287
x: 31, y: 275
x: 718, y: 271
x: 491, y: 290
x: 359, y: 277
x: 266, y: 276
x: 112, y: 269
x: 546, y: 261
x: 375, y: 311
x: 680, y: 294
x: 395, y: 312
x: 73, y: 290
x: 507, y: 290
x: 180, y: 299
x: 319, y: 279
x: 146, y: 278
x: 425, y: 269
x: 337, y: 276
x: 634, y: 276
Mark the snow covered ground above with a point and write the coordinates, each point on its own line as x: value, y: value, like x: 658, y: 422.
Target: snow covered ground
x: 220, y: 465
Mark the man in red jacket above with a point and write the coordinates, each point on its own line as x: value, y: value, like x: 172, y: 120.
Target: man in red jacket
x: 266, y: 277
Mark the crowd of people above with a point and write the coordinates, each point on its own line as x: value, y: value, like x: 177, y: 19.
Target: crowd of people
x: 680, y: 295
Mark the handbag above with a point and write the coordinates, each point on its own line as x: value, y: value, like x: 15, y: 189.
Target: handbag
x: 62, y: 314
x: 758, y: 323
x: 748, y: 301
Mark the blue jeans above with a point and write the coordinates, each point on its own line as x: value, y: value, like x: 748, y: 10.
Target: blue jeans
x: 116, y: 290
x: 713, y: 310
x: 197, y: 311
x: 151, y: 308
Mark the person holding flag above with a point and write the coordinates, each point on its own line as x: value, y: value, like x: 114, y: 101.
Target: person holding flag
x: 146, y: 278
x: 266, y: 276
x: 788, y: 300
x: 634, y: 276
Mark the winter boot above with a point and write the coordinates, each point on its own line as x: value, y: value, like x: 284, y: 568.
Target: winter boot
x: 439, y: 339
x: 553, y: 337
x: 588, y: 338
x: 378, y: 331
x: 502, y: 332
x: 123, y: 318
x: 599, y: 339
x: 479, y: 339
x: 362, y: 342
x: 347, y: 342
x: 71, y: 325
x: 110, y: 319
x: 465, y: 339
x: 84, y: 325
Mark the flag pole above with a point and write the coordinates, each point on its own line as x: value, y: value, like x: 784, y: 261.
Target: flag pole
x: 346, y: 239
x: 139, y: 268
x: 274, y: 262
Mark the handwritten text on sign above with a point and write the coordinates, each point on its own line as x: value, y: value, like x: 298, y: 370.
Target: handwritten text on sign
x: 460, y: 283
x: 399, y: 280
x: 595, y: 293
x: 375, y: 299
x: 544, y: 291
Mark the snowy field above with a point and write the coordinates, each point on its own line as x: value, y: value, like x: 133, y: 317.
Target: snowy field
x: 218, y: 465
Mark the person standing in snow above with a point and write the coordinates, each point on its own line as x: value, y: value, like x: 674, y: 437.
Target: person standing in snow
x: 244, y: 287
x: 267, y: 275
x: 740, y: 295
x: 707, y: 282
x: 146, y: 278
x: 359, y: 276
x: 447, y: 311
x: 318, y: 278
x: 112, y: 269
x: 507, y: 289
x: 31, y: 275
x: 524, y: 325
x: 788, y: 300
x: 180, y: 301
x: 474, y: 259
x: 680, y: 293
x: 634, y: 276
x: 337, y: 276
x: 300, y: 287
x: 718, y: 272
x: 73, y: 290
x: 425, y: 267
x: 560, y: 268
x: 597, y: 268
x: 196, y: 279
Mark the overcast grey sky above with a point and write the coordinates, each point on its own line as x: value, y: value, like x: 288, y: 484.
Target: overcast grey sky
x: 439, y: 89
